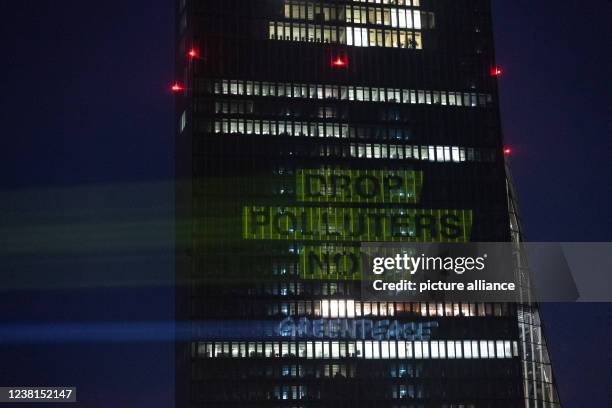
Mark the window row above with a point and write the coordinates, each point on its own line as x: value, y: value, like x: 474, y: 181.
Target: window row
x: 352, y: 93
x: 306, y: 392
x: 374, y: 15
x: 352, y: 36
x: 312, y: 392
x: 334, y: 370
x: 413, y: 370
x: 441, y: 154
x: 393, y: 17
x: 316, y: 129
x: 347, y: 308
x: 282, y: 128
x: 370, y: 350
x: 410, y: 3
x: 364, y: 37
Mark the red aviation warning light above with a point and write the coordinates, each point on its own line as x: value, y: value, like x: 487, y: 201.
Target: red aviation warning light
x: 496, y: 72
x: 176, y: 88
x: 193, y: 53
x: 339, y: 62
x: 507, y: 151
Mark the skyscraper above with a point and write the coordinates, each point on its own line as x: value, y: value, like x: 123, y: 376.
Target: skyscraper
x: 305, y: 128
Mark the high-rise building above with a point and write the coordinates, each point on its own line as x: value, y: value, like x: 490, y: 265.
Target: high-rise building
x: 305, y: 128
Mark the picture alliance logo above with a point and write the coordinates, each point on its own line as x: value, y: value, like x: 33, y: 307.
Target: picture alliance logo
x: 412, y: 264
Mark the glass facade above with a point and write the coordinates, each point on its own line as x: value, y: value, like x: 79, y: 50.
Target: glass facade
x: 303, y: 129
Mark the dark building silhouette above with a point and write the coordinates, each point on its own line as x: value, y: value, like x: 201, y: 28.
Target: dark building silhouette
x: 303, y: 129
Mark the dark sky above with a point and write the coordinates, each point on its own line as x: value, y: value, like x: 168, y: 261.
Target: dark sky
x: 85, y: 102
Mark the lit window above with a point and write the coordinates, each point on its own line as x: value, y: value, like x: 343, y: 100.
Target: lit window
x: 475, y: 349
x: 425, y: 349
x: 325, y: 308
x: 376, y: 349
x: 333, y: 308
x: 499, y: 348
x: 442, y: 349
x: 440, y: 153
x: 335, y: 350
x: 484, y: 352
x: 434, y: 350
x: 458, y: 350
x: 341, y: 308
x: 418, y: 350
x: 401, y: 349
x: 318, y: 349
x: 385, y: 349
x: 409, y: 350
x: 368, y: 350
x: 455, y: 155
x: 183, y: 123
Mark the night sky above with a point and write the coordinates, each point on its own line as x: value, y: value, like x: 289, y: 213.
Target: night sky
x: 87, y: 119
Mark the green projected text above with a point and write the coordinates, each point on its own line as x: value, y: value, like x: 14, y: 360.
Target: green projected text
x: 356, y: 224
x: 359, y: 186
x: 335, y: 262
